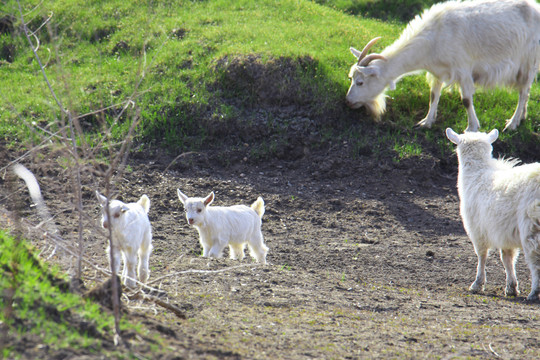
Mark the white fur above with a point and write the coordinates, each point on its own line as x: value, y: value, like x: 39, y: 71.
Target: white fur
x: 219, y: 226
x: 486, y: 43
x: 131, y: 236
x: 500, y: 207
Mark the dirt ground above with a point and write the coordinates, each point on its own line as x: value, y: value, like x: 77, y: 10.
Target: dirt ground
x: 368, y: 259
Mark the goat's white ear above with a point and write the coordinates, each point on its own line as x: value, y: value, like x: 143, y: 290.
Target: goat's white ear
x: 392, y: 85
x: 181, y: 196
x: 355, y: 52
x: 493, y: 135
x: 452, y: 136
x: 102, y: 199
x: 209, y: 199
x: 124, y: 208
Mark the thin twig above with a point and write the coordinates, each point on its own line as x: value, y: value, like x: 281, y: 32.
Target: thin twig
x: 196, y: 271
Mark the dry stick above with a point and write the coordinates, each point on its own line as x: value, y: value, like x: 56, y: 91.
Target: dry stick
x: 201, y: 272
x: 175, y: 309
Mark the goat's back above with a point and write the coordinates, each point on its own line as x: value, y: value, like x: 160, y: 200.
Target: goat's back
x: 495, y: 40
x: 132, y: 227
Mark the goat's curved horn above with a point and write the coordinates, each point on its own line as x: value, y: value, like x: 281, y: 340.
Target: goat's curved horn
x: 367, y: 47
x: 365, y: 61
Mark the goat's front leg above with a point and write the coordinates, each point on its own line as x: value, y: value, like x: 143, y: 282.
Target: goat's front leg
x: 117, y: 259
x: 434, y: 96
x: 130, y: 267
x: 467, y: 92
x: 478, y: 284
x: 217, y: 249
x: 508, y: 258
x: 237, y: 251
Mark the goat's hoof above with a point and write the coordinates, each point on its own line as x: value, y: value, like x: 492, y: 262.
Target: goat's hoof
x: 512, y: 291
x: 476, y: 288
x: 534, y: 296
x: 510, y: 126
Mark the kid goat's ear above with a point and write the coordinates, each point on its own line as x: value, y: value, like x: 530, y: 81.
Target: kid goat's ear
x: 181, y: 196
x: 102, y: 199
x: 452, y: 136
x: 209, y: 199
x: 493, y: 135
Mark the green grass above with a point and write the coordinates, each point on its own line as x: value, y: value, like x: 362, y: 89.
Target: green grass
x: 36, y: 300
x: 208, y: 64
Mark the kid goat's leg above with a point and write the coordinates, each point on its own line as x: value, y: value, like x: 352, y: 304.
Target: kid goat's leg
x: 237, y: 251
x: 143, y: 270
x: 117, y: 259
x: 131, y: 265
x: 257, y: 248
x: 478, y: 284
x: 531, y: 250
x: 508, y: 258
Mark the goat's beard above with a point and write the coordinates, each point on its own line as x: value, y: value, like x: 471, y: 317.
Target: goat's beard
x: 377, y: 107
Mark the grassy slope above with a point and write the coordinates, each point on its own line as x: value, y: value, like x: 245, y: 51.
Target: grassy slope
x: 101, y: 46
x: 99, y: 74
x: 36, y: 303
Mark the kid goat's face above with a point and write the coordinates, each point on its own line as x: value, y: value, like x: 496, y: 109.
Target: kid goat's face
x: 195, y: 208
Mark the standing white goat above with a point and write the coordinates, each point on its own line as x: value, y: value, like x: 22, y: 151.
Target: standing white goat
x: 219, y: 226
x: 500, y: 208
x: 487, y: 43
x: 131, y: 236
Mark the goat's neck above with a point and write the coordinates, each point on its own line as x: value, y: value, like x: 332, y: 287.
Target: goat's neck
x: 404, y: 60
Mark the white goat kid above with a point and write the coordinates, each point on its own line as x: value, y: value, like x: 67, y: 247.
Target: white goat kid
x: 487, y: 43
x: 219, y: 226
x: 131, y: 236
x: 500, y: 208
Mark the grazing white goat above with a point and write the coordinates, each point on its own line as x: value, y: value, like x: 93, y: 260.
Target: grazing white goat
x: 131, y: 236
x: 500, y: 207
x: 219, y: 226
x: 487, y: 43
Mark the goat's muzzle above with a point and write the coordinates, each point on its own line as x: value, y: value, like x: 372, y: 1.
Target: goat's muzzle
x: 191, y: 221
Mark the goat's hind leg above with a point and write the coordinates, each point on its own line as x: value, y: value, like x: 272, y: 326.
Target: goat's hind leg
x: 508, y: 258
x: 467, y: 92
x: 257, y: 248
x: 479, y: 282
x: 531, y: 250
x: 521, y: 109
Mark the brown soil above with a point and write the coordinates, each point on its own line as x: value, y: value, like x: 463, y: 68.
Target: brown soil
x: 368, y: 259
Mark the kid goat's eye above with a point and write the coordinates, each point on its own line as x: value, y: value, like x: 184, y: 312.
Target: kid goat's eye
x: 199, y: 210
x: 359, y: 83
x: 117, y: 215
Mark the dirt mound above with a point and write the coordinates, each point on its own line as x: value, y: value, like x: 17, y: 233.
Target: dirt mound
x: 275, y: 82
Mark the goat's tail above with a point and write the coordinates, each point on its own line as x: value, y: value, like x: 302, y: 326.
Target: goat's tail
x: 534, y: 212
x: 144, y: 201
x: 258, y: 206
